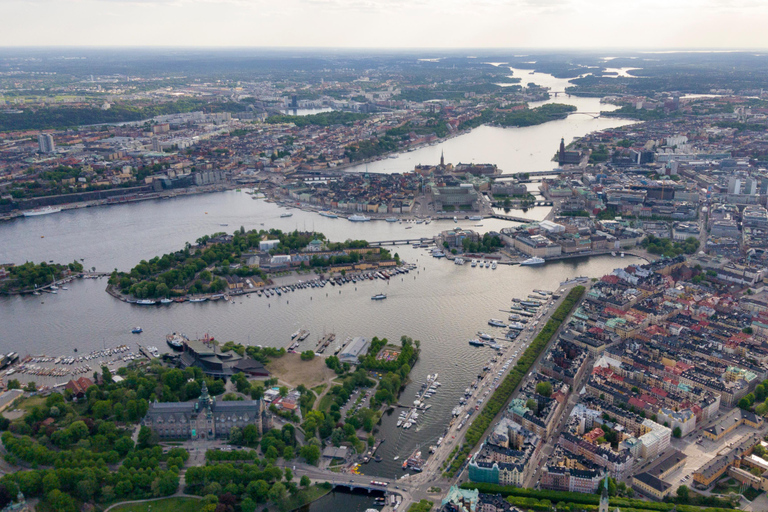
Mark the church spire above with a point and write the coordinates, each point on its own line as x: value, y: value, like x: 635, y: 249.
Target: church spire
x: 442, y: 158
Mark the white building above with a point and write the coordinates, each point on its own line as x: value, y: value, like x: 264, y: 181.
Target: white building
x: 268, y: 245
x: 358, y: 346
x: 45, y: 142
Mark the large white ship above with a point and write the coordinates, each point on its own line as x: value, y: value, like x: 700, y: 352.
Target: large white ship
x: 358, y: 218
x: 41, y: 211
x: 534, y: 261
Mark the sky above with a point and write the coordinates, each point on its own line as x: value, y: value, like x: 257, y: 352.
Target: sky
x: 562, y: 24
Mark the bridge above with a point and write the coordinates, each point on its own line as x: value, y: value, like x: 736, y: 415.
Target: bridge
x: 402, y: 241
x: 512, y: 218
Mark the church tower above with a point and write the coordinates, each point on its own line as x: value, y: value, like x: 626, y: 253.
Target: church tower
x: 604, y: 495
x: 442, y: 159
x: 562, y: 150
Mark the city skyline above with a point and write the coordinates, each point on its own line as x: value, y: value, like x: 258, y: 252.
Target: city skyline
x: 582, y: 24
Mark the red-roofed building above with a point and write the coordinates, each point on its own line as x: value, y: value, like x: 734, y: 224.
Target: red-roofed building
x: 78, y: 387
x: 649, y: 399
x: 658, y: 391
x: 637, y: 403
x: 593, y: 435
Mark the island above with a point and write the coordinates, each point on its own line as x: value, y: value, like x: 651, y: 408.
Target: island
x: 243, y: 262
x: 33, y: 278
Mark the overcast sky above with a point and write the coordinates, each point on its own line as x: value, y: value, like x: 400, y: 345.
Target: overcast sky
x: 387, y: 23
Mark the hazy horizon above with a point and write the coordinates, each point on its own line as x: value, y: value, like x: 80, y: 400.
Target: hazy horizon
x: 387, y: 24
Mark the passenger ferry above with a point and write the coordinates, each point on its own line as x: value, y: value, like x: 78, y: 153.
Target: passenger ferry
x: 329, y: 214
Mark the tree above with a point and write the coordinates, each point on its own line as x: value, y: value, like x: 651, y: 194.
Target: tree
x: 305, y: 481
x: 14, y: 384
x: 145, y: 437
x: 310, y: 453
x: 31, y: 387
x: 676, y: 432
x: 277, y: 492
x: 544, y: 389
x: 683, y: 493
x: 531, y: 404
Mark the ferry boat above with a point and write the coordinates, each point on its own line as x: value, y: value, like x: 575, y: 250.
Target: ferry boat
x: 516, y: 325
x: 166, y: 301
x: 438, y: 254
x: 458, y: 261
x: 533, y: 261
x: 476, y: 217
x: 176, y: 341
x: 284, y: 215
x: 41, y: 211
x: 477, y: 343
x: 202, y: 299
x: 391, y: 219
x: 485, y: 336
x: 137, y: 330
x: 530, y: 303
x: 329, y: 214
x: 358, y: 218
x: 145, y: 302
x: 496, y: 323
x: 379, y: 296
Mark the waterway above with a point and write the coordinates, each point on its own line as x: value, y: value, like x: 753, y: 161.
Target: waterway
x: 440, y: 304
x: 524, y: 149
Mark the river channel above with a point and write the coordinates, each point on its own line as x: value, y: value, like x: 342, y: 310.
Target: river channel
x: 440, y: 304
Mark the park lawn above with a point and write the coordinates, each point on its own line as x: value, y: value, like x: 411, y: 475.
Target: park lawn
x: 28, y: 403
x: 166, y: 505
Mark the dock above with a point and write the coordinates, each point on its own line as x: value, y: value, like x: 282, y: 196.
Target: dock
x: 324, y: 342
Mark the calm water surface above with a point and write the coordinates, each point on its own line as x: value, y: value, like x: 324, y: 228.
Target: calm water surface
x: 441, y: 304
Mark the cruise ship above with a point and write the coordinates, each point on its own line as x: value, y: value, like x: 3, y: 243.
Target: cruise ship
x: 328, y: 214
x: 41, y: 211
x: 358, y: 218
x: 534, y: 261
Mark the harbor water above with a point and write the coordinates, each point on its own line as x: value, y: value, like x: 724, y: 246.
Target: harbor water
x: 440, y: 304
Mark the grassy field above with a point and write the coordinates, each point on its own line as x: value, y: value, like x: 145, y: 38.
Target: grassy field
x: 167, y: 505
x: 291, y: 370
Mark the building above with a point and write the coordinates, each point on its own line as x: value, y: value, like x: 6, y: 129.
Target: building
x: 651, y: 486
x: 205, y: 418
x: 45, y: 143
x: 568, y: 157
x: 455, y: 197
x: 268, y: 245
x: 78, y: 387
x: 356, y: 348
x: 204, y: 355
x: 715, y: 468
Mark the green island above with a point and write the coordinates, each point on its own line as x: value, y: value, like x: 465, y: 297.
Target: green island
x: 503, y: 393
x: 534, y: 116
x: 27, y: 277
x: 69, y: 452
x: 220, y: 263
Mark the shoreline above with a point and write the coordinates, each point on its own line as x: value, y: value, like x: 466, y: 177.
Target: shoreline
x: 206, y: 189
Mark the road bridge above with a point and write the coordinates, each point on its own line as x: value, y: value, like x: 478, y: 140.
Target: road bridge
x: 402, y: 241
